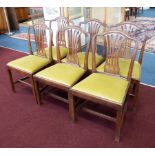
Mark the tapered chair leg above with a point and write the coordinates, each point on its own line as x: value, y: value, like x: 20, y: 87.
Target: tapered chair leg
x: 11, y: 80
x: 37, y: 93
x: 135, y: 103
x: 34, y: 88
x: 118, y: 125
x: 71, y: 106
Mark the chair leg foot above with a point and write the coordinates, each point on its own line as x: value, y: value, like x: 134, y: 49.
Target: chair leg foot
x: 11, y: 80
x: 34, y: 89
x: 117, y: 138
x: 72, y: 120
x: 118, y: 126
x: 71, y: 107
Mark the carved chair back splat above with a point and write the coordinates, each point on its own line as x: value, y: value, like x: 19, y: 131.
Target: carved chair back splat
x: 61, y: 22
x: 92, y: 26
x: 40, y: 32
x: 72, y: 36
x: 116, y: 43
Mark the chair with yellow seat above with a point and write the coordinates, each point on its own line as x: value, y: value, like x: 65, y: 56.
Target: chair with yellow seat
x: 58, y: 24
x: 35, y: 61
x: 134, y: 31
x: 106, y: 89
x: 62, y: 76
x: 92, y: 26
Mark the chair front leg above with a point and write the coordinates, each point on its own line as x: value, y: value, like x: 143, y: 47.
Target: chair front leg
x: 137, y: 83
x: 133, y: 87
x: 34, y: 88
x: 71, y: 106
x: 37, y: 92
x: 119, y: 119
x: 11, y: 80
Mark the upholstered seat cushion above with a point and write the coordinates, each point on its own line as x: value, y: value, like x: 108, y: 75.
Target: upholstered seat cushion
x: 81, y: 57
x: 62, y: 73
x: 106, y: 87
x: 63, y: 52
x: 124, y: 68
x: 29, y: 64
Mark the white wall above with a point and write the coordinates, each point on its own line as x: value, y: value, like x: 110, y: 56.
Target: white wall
x: 78, y: 20
x: 110, y: 15
x: 145, y: 8
x: 99, y: 13
x: 114, y: 15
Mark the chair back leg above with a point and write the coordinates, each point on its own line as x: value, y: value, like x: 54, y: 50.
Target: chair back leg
x: 119, y: 118
x: 71, y: 107
x: 37, y: 93
x: 11, y: 80
x: 136, y: 94
x: 33, y: 88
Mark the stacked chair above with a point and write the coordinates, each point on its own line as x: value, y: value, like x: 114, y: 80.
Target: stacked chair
x: 35, y: 61
x: 72, y: 65
x: 106, y: 86
x: 133, y: 30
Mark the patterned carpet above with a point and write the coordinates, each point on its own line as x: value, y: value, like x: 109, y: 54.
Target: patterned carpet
x: 23, y: 36
x: 149, y: 25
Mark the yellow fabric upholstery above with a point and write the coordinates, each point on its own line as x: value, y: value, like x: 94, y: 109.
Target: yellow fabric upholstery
x: 81, y: 56
x: 29, y: 64
x: 104, y: 86
x: 63, y: 52
x: 124, y: 68
x: 62, y: 73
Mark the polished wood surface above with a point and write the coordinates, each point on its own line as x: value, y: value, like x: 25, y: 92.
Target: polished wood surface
x: 22, y: 13
x: 12, y: 18
x: 3, y: 25
x: 40, y: 38
x: 93, y: 27
x: 61, y: 23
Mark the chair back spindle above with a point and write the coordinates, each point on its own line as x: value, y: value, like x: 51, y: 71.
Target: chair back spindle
x: 40, y: 32
x: 92, y: 26
x: 133, y: 31
x: 61, y: 22
x: 116, y: 43
x: 72, y: 35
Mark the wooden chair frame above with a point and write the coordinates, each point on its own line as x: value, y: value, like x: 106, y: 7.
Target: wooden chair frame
x: 120, y: 110
x: 94, y: 26
x: 39, y: 39
x: 61, y: 22
x: 71, y: 59
x: 131, y: 28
